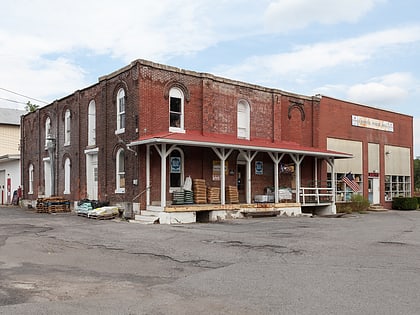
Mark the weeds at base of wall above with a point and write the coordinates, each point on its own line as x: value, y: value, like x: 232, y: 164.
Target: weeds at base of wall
x: 357, y: 204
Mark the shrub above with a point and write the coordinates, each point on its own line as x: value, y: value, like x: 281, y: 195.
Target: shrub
x: 405, y: 203
x: 359, y: 203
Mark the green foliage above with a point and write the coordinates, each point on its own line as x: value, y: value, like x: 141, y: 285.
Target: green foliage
x: 358, y: 203
x: 417, y: 174
x: 405, y: 203
x: 29, y: 107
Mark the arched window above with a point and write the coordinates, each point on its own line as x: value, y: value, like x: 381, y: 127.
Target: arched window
x: 120, y: 111
x: 243, y: 116
x: 47, y: 130
x: 67, y: 127
x: 67, y: 176
x: 120, y: 171
x: 176, y: 172
x: 92, y: 123
x: 31, y: 179
x: 176, y: 110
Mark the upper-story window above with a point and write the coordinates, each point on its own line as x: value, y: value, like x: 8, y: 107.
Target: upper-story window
x: 120, y: 171
x: 176, y: 110
x: 47, y: 130
x: 92, y: 123
x: 243, y: 116
x: 67, y: 127
x: 120, y: 111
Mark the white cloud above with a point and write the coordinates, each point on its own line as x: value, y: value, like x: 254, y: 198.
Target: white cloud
x: 285, y: 15
x: 309, y: 59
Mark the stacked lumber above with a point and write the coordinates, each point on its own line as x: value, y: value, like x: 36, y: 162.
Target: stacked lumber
x: 52, y: 205
x: 213, y: 195
x: 199, y: 189
x: 232, y: 194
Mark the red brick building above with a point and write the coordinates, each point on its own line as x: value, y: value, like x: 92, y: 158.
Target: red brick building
x: 140, y: 134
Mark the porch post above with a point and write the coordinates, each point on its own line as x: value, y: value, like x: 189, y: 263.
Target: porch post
x: 297, y: 160
x: 249, y: 156
x: 276, y: 159
x: 331, y: 163
x: 222, y: 155
x: 148, y: 175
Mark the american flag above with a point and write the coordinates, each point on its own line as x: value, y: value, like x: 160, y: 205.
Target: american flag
x: 349, y: 180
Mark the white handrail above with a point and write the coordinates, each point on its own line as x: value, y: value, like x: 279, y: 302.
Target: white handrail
x: 317, y: 192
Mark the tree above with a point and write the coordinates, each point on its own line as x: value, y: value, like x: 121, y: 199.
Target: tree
x: 31, y: 107
x: 417, y: 174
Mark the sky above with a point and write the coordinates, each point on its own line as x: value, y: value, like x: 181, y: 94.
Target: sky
x: 363, y: 51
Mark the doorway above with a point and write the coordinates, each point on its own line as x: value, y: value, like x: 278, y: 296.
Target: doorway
x: 241, y: 181
x: 373, y: 190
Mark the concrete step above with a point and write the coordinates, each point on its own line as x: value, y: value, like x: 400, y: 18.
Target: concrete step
x: 377, y: 208
x: 145, y: 219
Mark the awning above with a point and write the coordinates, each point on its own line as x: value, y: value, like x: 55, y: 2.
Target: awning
x: 191, y: 138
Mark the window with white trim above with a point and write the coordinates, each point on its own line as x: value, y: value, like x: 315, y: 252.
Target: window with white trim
x: 176, y: 110
x: 92, y: 123
x: 243, y: 115
x: 120, y: 111
x: 47, y: 130
x: 31, y: 179
x: 120, y: 171
x: 67, y: 174
x: 67, y: 127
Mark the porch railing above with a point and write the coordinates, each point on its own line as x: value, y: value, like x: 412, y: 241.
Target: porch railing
x: 316, y: 195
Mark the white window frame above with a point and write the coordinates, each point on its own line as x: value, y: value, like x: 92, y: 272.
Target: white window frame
x: 31, y: 179
x: 92, y: 123
x: 120, y: 171
x: 176, y: 93
x: 121, y: 108
x: 67, y: 176
x: 67, y: 127
x: 47, y: 130
x: 243, y: 120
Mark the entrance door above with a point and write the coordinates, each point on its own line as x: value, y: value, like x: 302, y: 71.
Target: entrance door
x: 47, y: 178
x: 241, y: 181
x: 92, y: 176
x: 2, y: 187
x: 374, y: 191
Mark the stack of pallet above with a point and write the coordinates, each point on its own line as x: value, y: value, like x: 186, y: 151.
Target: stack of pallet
x: 232, y: 194
x: 213, y: 195
x: 52, y: 205
x: 199, y: 189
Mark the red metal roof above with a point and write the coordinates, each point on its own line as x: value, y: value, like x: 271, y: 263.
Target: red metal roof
x: 196, y: 138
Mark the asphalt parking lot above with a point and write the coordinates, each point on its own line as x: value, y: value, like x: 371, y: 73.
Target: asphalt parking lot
x: 66, y: 264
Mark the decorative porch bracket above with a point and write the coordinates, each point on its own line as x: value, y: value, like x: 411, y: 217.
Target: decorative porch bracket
x: 249, y: 156
x: 222, y: 155
x: 276, y: 159
x: 297, y: 159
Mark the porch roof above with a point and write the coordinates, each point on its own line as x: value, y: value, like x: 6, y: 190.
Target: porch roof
x: 195, y: 138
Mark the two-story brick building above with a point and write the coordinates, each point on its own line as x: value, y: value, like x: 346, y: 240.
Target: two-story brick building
x: 144, y: 132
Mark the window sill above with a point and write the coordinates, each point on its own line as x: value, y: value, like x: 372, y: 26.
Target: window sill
x: 120, y: 191
x: 119, y: 131
x: 176, y: 130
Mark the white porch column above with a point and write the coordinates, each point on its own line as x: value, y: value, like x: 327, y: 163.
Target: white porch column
x: 316, y: 173
x: 331, y: 163
x: 297, y: 159
x: 222, y: 155
x: 148, y: 175
x: 163, y: 152
x: 276, y: 159
x: 249, y: 156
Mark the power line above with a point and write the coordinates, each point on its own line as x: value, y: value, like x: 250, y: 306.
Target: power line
x: 34, y: 99
x: 13, y: 101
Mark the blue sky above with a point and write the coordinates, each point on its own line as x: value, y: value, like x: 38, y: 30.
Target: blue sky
x: 365, y: 51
